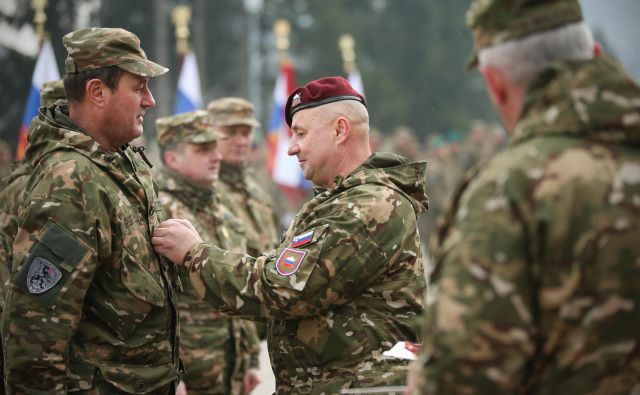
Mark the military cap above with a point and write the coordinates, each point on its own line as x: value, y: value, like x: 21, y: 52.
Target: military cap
x: 97, y: 47
x: 231, y: 111
x: 496, y: 21
x: 189, y: 127
x: 318, y: 92
x: 51, y: 91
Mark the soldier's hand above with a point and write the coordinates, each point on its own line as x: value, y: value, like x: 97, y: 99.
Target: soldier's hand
x: 173, y: 238
x: 250, y: 381
x: 182, y: 389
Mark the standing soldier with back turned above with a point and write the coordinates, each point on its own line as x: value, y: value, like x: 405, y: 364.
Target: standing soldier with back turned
x: 91, y: 307
x: 536, y: 285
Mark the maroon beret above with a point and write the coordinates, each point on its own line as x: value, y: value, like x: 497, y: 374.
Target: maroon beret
x: 318, y: 92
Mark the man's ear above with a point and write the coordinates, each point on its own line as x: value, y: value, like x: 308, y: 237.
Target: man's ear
x: 170, y: 159
x: 94, y: 91
x: 342, y: 129
x: 496, y: 84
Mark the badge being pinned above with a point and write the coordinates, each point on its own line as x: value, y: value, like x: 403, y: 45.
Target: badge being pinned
x: 289, y: 261
x: 302, y: 239
x: 42, y: 276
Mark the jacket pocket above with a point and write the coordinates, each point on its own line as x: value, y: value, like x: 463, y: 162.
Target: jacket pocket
x: 123, y: 298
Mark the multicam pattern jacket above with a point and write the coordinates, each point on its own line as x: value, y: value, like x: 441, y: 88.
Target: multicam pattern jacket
x: 243, y: 195
x: 90, y: 304
x: 216, y: 349
x: 536, y: 286
x: 345, y: 284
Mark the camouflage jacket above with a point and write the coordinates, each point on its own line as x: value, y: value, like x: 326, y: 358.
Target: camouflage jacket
x: 243, y: 195
x: 343, y: 286
x: 536, y: 287
x: 11, y: 196
x: 90, y: 303
x: 217, y: 350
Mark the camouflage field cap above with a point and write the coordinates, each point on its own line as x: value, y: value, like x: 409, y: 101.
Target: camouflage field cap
x: 189, y: 127
x: 51, y: 91
x: 98, y: 47
x: 496, y: 21
x: 231, y: 111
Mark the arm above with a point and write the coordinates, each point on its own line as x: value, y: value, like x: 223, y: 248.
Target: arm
x: 54, y: 262
x: 342, y: 259
x: 480, y: 312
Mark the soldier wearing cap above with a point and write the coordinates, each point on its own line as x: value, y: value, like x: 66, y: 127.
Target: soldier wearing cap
x: 90, y: 306
x: 535, y: 288
x: 345, y: 283
x: 219, y: 352
x: 238, y: 186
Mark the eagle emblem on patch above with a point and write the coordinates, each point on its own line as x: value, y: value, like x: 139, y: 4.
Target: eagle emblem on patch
x: 289, y: 261
x: 42, y: 276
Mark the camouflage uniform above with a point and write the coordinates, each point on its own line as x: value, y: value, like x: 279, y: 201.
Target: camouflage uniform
x: 91, y: 306
x: 536, y: 286
x: 343, y: 286
x: 216, y: 350
x: 239, y: 190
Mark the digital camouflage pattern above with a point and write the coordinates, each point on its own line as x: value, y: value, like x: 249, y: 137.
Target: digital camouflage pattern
x: 107, y: 317
x: 354, y: 294
x: 98, y: 47
x: 51, y: 91
x: 241, y: 192
x: 496, y: 21
x: 189, y: 127
x: 231, y: 111
x: 536, y: 288
x: 216, y: 349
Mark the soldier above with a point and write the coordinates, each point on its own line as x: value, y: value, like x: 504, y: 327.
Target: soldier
x: 91, y: 306
x: 536, y: 288
x: 345, y: 283
x: 239, y: 189
x: 11, y: 196
x: 13, y: 187
x: 219, y: 353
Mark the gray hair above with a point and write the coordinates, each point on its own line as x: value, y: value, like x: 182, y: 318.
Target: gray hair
x: 521, y: 60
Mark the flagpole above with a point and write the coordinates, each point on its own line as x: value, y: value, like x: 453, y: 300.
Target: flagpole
x: 347, y: 46
x: 281, y: 29
x: 181, y: 16
x: 39, y: 18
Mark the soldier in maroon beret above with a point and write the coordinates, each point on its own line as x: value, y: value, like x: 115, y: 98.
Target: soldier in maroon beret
x: 346, y: 282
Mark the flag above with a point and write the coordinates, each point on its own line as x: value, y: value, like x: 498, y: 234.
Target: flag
x: 46, y: 70
x: 285, y: 170
x: 355, y: 79
x: 189, y: 93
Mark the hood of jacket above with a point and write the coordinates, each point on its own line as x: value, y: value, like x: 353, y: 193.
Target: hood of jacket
x: 392, y: 171
x: 595, y: 99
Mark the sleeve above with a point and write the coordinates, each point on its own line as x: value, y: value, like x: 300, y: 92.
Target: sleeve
x: 343, y: 255
x: 55, y: 259
x: 479, y: 333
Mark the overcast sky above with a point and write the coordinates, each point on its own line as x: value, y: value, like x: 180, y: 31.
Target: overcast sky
x: 619, y: 22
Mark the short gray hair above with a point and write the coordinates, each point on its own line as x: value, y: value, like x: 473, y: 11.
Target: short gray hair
x: 521, y: 60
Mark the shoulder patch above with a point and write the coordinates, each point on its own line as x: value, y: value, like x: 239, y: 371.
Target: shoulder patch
x: 302, y: 239
x: 289, y: 261
x: 42, y: 276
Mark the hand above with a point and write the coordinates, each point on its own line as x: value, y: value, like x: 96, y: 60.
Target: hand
x: 250, y: 380
x: 182, y: 388
x: 173, y: 238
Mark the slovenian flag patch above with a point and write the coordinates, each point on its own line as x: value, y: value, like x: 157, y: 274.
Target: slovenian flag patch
x: 289, y: 261
x: 302, y: 239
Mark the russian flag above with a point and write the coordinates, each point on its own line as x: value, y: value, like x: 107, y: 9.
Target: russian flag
x: 189, y: 93
x: 285, y: 170
x: 46, y: 70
